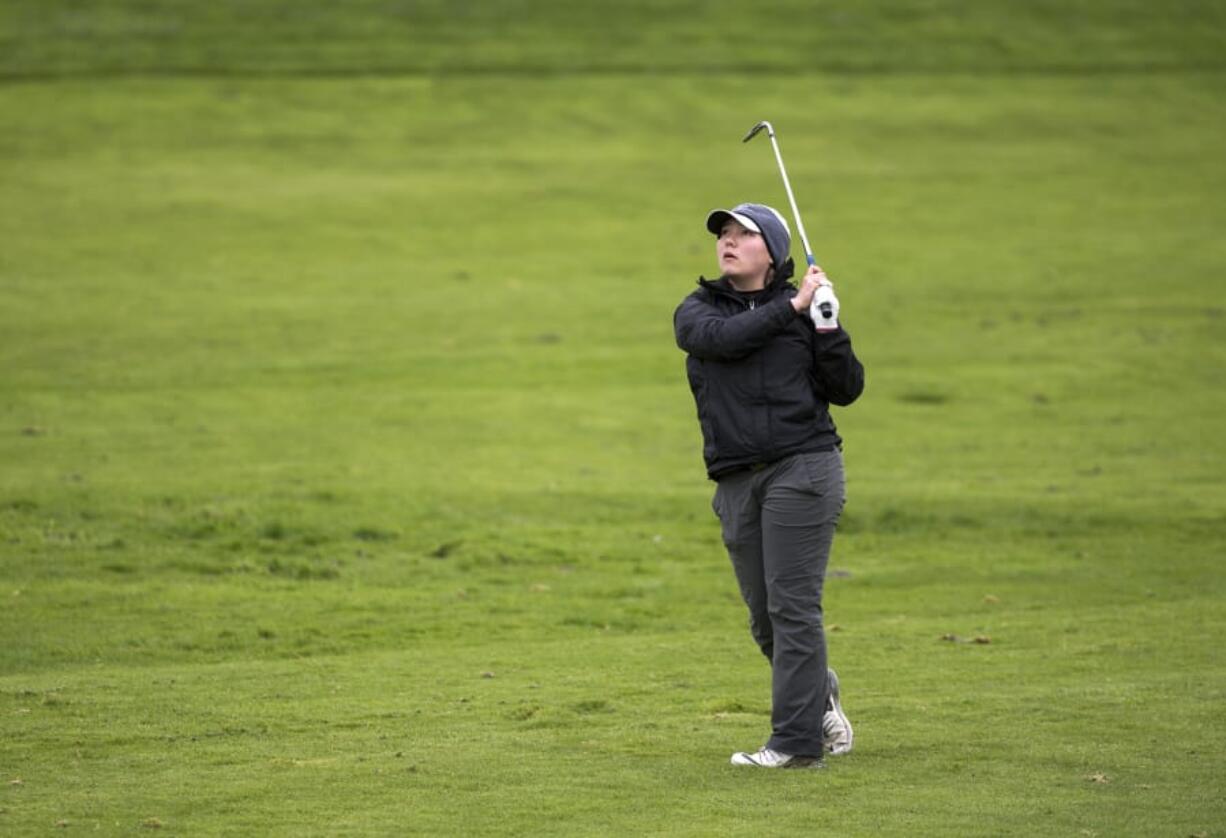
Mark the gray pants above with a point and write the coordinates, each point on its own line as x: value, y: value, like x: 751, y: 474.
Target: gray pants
x: 778, y: 524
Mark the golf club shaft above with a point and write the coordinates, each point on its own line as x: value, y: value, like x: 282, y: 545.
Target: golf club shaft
x: 800, y: 227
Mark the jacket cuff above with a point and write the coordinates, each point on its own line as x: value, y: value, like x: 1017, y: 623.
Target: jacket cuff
x: 831, y: 337
x: 786, y: 314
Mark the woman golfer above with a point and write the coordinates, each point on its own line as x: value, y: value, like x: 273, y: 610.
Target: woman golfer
x: 763, y: 374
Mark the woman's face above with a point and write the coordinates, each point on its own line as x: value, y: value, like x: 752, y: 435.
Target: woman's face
x: 742, y: 253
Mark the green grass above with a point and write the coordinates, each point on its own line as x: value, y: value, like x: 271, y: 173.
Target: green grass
x: 349, y: 481
x: 530, y: 37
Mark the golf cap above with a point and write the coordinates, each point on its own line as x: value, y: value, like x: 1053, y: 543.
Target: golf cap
x: 758, y: 218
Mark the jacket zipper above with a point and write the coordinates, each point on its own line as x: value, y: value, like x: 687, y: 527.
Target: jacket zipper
x: 770, y: 431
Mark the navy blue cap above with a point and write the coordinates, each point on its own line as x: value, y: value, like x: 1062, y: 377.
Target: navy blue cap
x: 760, y: 219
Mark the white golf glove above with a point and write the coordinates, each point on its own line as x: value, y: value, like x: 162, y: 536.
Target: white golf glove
x: 824, y: 310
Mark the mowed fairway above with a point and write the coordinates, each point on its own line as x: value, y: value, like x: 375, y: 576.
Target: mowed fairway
x: 349, y: 479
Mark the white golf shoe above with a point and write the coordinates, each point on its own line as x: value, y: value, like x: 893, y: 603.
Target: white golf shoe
x: 767, y: 758
x: 836, y: 727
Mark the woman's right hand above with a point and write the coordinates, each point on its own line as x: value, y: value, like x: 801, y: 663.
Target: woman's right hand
x: 814, y: 278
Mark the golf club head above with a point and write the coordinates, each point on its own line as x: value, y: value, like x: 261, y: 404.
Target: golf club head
x: 753, y: 132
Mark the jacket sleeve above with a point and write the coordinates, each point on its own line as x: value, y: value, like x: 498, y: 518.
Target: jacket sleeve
x: 706, y: 334
x: 840, y: 375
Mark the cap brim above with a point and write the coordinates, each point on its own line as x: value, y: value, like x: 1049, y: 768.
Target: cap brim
x: 716, y: 219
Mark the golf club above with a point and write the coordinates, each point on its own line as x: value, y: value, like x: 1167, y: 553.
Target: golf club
x: 823, y: 308
x: 800, y: 227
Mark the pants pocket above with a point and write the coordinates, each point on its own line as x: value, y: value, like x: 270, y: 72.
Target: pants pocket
x: 823, y: 472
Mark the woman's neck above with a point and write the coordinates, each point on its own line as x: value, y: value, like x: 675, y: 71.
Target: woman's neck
x: 748, y: 284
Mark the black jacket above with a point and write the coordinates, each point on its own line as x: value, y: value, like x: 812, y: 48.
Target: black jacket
x: 763, y: 378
